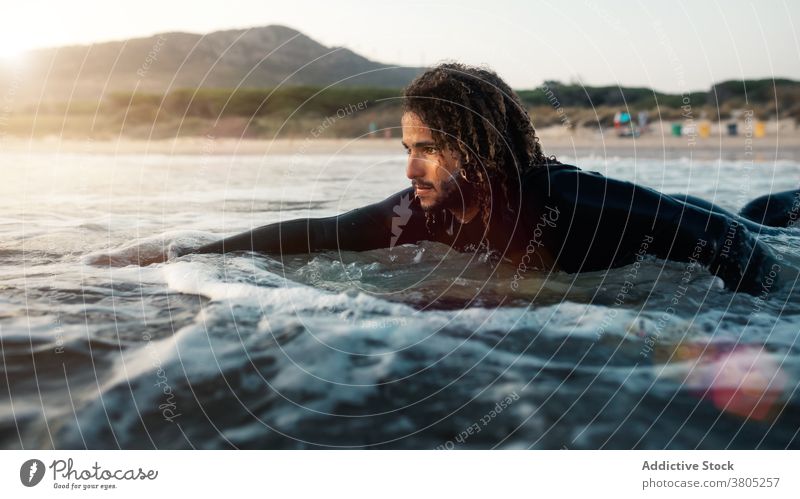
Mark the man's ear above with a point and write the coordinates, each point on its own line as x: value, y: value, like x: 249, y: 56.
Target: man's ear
x: 461, y: 162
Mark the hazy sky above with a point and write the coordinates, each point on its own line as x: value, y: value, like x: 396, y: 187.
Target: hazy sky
x: 668, y: 45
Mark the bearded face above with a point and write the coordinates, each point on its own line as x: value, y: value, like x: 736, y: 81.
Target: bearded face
x: 435, y: 174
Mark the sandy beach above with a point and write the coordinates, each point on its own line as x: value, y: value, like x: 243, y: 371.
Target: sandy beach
x: 779, y: 143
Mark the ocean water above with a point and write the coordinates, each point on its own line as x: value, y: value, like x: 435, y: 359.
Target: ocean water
x: 419, y: 347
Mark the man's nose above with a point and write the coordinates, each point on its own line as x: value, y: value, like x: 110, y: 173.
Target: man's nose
x: 415, y: 167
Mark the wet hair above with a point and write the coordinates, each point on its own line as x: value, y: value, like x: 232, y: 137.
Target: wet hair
x: 472, y: 111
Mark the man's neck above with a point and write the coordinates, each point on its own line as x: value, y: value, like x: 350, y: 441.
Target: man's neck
x: 465, y: 206
x: 466, y: 214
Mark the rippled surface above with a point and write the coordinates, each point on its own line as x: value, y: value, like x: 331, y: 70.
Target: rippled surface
x: 417, y: 347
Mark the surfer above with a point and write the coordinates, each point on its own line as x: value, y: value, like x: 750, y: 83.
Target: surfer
x: 480, y: 182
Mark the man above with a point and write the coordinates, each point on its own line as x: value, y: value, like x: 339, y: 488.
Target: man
x: 481, y: 183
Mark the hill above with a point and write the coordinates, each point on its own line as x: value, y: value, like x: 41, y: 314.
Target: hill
x: 268, y: 56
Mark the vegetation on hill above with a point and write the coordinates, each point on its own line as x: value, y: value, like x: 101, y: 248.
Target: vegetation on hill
x: 337, y: 111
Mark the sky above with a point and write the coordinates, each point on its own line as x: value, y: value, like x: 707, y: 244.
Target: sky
x: 674, y: 46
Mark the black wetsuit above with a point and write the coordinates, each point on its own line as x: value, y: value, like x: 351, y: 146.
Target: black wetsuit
x: 781, y: 209
x: 583, y: 221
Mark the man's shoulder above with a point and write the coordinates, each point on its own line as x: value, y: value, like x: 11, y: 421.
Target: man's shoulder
x: 548, y: 177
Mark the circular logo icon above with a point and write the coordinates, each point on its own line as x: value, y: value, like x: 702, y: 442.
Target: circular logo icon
x: 31, y: 472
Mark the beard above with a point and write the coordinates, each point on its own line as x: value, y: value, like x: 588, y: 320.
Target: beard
x: 453, y: 193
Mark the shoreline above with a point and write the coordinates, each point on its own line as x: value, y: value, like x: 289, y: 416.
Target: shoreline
x: 774, y: 146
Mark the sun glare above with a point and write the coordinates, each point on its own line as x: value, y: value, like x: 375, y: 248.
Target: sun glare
x: 12, y: 49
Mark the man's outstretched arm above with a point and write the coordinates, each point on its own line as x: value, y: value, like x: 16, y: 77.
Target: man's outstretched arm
x: 361, y: 229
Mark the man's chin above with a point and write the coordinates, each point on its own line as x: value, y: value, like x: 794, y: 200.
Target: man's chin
x: 448, y: 195
x: 428, y: 204
x: 428, y: 200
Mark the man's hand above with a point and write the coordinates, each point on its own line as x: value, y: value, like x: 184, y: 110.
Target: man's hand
x: 158, y: 249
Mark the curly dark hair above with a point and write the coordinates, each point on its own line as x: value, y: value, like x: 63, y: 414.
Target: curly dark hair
x: 473, y: 111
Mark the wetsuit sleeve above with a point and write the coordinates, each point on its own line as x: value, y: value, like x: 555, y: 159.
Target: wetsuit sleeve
x: 369, y: 227
x: 604, y: 223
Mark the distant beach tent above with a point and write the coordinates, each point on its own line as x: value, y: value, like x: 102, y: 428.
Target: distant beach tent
x: 624, y: 126
x: 759, y: 129
x: 621, y: 118
x: 704, y: 129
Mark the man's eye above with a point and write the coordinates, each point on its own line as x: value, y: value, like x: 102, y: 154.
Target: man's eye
x: 431, y: 150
